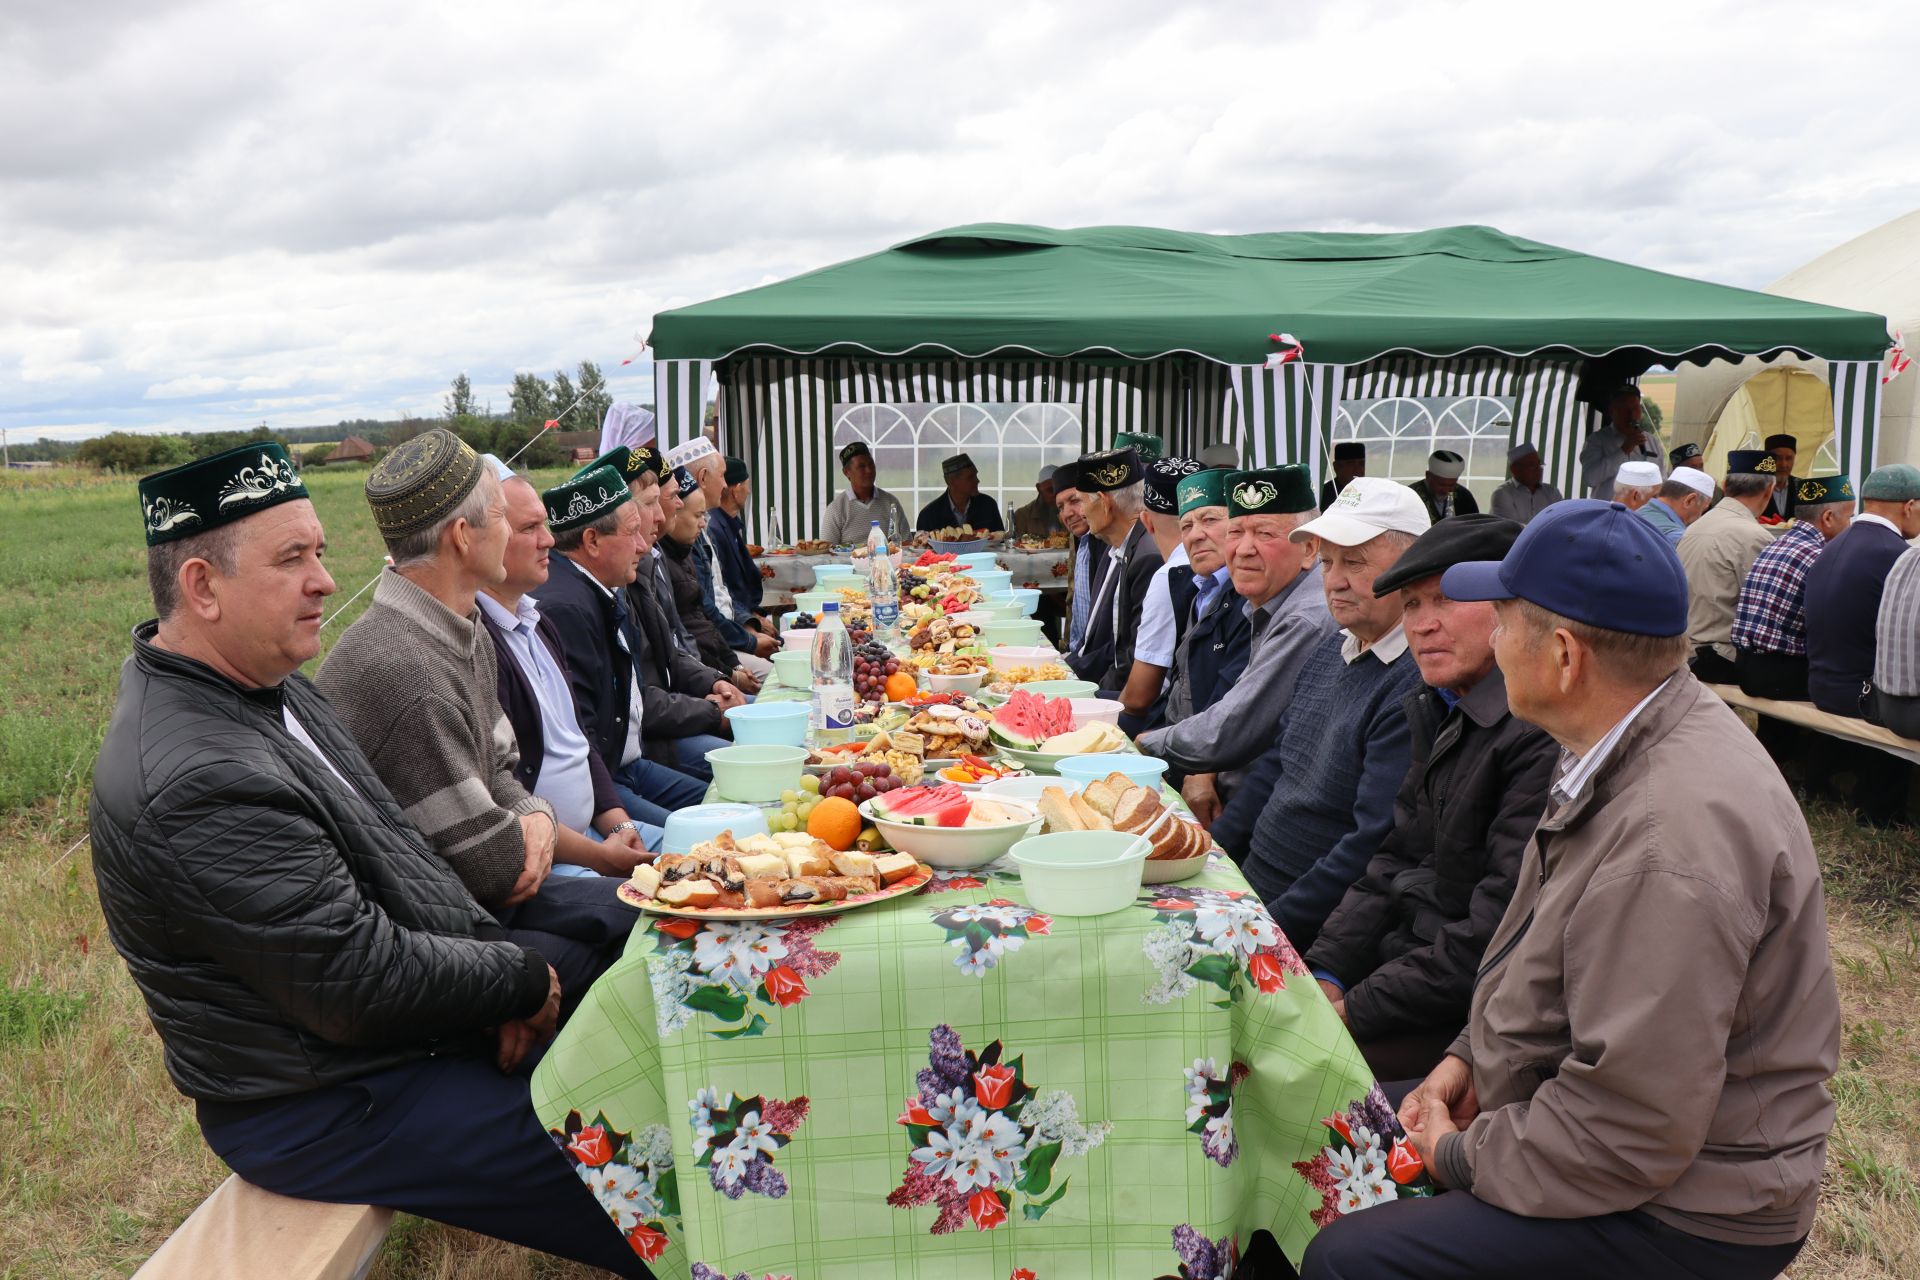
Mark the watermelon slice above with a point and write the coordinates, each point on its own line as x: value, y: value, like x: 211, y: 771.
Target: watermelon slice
x: 943, y: 806
x: 1026, y: 720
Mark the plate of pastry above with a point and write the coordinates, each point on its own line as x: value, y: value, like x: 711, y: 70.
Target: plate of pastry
x: 776, y: 877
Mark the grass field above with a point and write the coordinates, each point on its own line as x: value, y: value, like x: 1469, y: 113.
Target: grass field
x: 100, y: 1158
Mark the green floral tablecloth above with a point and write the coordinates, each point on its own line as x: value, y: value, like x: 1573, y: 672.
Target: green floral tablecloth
x: 954, y: 1086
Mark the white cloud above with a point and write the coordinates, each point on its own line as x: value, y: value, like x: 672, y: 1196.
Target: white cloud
x: 223, y: 211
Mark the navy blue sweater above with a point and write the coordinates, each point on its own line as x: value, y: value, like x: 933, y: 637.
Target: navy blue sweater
x: 1843, y: 603
x: 1313, y: 809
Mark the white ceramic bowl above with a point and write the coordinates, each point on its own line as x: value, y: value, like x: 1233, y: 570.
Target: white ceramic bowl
x: 955, y: 848
x: 1088, y: 711
x: 1080, y: 873
x: 957, y: 684
x: 1008, y: 656
x: 1026, y: 791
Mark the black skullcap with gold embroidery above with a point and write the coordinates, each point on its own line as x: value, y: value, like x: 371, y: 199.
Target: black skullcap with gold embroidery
x: 584, y: 498
x: 1752, y: 462
x: 420, y: 482
x: 210, y: 492
x: 1108, y: 470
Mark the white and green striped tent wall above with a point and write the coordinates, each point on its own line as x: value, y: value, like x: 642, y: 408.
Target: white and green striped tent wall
x: 682, y: 390
x: 1856, y: 414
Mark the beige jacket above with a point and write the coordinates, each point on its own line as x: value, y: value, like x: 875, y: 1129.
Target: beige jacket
x: 1716, y: 551
x: 1655, y: 1021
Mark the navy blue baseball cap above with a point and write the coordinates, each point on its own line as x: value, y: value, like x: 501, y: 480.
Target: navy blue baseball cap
x: 1595, y: 562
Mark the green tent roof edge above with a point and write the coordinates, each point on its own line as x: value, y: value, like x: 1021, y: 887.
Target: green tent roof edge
x: 725, y: 328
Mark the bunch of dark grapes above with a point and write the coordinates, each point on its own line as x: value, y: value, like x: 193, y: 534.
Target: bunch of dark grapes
x: 873, y: 662
x: 857, y: 782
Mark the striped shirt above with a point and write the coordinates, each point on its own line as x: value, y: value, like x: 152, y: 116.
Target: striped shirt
x: 1896, y: 662
x: 1770, y: 614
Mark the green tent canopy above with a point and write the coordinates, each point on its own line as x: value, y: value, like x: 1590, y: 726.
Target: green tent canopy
x: 1002, y: 290
x: 1460, y: 337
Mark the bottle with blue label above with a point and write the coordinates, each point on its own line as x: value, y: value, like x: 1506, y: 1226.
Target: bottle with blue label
x: 832, y: 678
x: 883, y: 588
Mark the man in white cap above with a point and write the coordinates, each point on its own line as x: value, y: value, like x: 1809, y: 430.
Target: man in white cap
x: 1684, y: 498
x: 1528, y: 493
x: 1440, y: 489
x: 1039, y: 518
x: 1313, y: 809
x: 1635, y: 484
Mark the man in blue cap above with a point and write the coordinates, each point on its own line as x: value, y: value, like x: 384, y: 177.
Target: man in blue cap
x: 1592, y: 1122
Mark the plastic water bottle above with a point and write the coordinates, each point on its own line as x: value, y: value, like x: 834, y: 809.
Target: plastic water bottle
x: 832, y: 679
x: 883, y: 588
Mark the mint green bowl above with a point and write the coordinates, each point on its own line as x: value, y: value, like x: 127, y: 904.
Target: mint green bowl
x: 794, y: 667
x: 1062, y: 688
x: 1043, y: 762
x: 1081, y: 873
x: 755, y: 774
x: 997, y: 610
x: 1014, y: 631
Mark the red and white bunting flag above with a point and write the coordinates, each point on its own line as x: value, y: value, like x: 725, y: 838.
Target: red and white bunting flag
x: 1897, y: 360
x: 1290, y: 350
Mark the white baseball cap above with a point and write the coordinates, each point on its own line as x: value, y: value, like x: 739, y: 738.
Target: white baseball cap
x: 1692, y: 477
x: 1638, y: 475
x: 1368, y: 507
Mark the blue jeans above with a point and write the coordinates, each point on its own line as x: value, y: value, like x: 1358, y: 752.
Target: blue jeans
x: 649, y: 791
x: 692, y: 751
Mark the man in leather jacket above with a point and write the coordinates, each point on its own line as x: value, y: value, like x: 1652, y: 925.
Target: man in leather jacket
x: 344, y: 1014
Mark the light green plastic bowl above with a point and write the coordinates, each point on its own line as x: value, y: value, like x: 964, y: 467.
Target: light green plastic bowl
x: 1081, y: 873
x: 828, y: 576
x: 794, y: 667
x: 1043, y: 762
x: 998, y: 610
x: 813, y: 601
x: 999, y: 631
x: 755, y: 774
x: 1062, y: 688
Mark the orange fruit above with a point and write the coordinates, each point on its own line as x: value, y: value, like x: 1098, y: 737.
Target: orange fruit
x: 835, y: 821
x: 900, y: 687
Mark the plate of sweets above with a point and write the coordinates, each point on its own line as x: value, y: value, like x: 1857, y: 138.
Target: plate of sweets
x: 777, y: 877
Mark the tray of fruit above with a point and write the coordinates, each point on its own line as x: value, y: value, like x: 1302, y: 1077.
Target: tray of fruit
x: 970, y: 773
x: 972, y: 706
x: 894, y: 759
x: 769, y: 878
x: 877, y: 674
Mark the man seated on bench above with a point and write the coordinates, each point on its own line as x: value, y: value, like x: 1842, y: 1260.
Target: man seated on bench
x: 1770, y: 615
x: 1641, y: 1088
x: 1896, y: 655
x: 1716, y: 552
x: 341, y: 1010
x: 1398, y: 956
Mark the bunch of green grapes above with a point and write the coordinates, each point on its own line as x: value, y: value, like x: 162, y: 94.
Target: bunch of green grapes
x: 796, y: 806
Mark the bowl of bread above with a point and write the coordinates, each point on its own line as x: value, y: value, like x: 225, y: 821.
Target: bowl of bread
x: 1115, y: 803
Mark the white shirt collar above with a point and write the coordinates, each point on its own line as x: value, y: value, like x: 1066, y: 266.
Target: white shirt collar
x: 1386, y: 648
x: 1870, y: 517
x: 1581, y: 769
x: 523, y: 614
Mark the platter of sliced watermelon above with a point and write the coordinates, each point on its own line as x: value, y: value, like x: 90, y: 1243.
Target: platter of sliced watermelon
x: 946, y: 827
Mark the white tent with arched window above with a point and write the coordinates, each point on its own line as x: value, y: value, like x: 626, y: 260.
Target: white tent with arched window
x: 1729, y: 404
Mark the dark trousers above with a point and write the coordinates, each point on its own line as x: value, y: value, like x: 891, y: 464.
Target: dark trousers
x: 649, y: 791
x: 446, y: 1138
x: 1780, y: 676
x: 1711, y: 668
x: 1407, y: 1055
x: 1902, y: 715
x: 578, y: 926
x: 1454, y: 1235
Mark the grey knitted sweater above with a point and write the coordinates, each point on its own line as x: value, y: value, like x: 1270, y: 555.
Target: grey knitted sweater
x: 415, y: 683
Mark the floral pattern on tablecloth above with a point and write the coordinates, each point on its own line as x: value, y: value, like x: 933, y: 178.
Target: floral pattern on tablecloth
x: 1201, y: 1258
x: 977, y: 1132
x: 1367, y: 1161
x: 631, y: 1175
x: 719, y: 968
x: 985, y: 932
x: 1221, y: 936
x: 735, y: 1141
x: 1210, y: 1107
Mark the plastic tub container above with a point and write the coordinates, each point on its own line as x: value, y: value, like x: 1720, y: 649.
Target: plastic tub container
x: 1045, y: 762
x: 814, y: 601
x: 782, y: 724
x: 1081, y: 873
x: 992, y: 609
x: 1025, y: 791
x: 1028, y: 598
x: 955, y: 684
x: 794, y: 666
x: 1143, y: 770
x: 968, y: 547
x: 991, y: 580
x: 701, y: 822
x: 979, y: 560
x: 1088, y: 711
x: 831, y: 577
x: 757, y: 773
x: 1012, y: 632
x: 1076, y: 689
x: 800, y: 640
x: 956, y: 848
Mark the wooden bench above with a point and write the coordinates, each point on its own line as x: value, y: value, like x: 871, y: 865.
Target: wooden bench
x: 242, y: 1231
x: 1805, y: 714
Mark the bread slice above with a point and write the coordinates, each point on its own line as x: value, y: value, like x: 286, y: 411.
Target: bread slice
x: 806, y: 862
x: 1137, y: 810
x: 853, y: 863
x: 690, y: 893
x: 1103, y: 795
x: 1091, y: 819
x: 895, y: 867
x: 763, y: 866
x: 1056, y: 808
x: 1119, y: 781
x: 645, y: 879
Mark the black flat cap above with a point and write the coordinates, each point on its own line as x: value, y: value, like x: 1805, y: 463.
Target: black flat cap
x: 1452, y: 541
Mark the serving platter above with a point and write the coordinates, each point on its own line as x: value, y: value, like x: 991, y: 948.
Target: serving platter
x: 898, y: 889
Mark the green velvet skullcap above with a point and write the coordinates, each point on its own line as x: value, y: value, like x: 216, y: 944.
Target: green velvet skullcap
x: 1148, y: 447
x: 210, y: 492
x: 1269, y: 491
x: 421, y: 481
x: 630, y: 461
x: 582, y: 499
x: 1815, y: 490
x: 1896, y: 482
x: 1203, y: 489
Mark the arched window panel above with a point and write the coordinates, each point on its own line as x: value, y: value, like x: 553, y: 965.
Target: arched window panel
x: 1008, y: 441
x: 1399, y: 432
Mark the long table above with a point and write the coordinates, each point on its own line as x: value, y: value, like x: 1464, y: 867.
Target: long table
x: 781, y: 576
x: 954, y: 1085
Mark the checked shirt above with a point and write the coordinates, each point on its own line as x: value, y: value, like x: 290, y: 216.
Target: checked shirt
x: 1769, y: 616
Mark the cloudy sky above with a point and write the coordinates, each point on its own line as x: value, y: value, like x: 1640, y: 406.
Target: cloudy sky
x: 218, y: 213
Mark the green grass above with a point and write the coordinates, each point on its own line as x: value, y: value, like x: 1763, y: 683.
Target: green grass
x: 100, y: 1158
